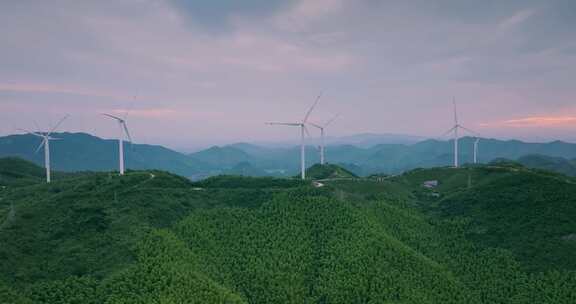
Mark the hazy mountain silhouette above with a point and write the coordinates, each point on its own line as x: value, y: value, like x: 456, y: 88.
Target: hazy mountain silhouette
x: 80, y: 151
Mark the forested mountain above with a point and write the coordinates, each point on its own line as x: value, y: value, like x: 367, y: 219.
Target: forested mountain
x: 397, y: 158
x: 223, y: 157
x: 17, y: 170
x: 486, y: 234
x: 80, y: 152
x: 556, y: 164
x: 328, y: 171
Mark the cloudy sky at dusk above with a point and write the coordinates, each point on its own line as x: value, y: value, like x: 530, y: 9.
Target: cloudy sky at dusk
x: 212, y: 72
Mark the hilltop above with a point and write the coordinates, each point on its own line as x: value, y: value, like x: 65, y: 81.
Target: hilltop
x: 328, y: 171
x: 528, y: 212
x: 154, y: 237
x: 15, y: 171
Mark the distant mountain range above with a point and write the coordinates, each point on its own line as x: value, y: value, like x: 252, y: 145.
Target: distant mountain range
x: 81, y: 152
x: 363, y: 140
x: 84, y: 152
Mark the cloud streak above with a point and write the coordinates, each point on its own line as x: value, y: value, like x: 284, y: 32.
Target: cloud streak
x: 535, y: 121
x: 517, y: 19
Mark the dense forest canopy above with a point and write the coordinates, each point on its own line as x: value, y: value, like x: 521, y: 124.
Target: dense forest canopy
x: 484, y: 234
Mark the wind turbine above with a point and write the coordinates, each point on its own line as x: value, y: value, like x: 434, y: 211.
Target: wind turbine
x: 457, y: 127
x: 46, y: 138
x: 303, y: 131
x: 476, y: 150
x: 322, y: 140
x: 123, y: 131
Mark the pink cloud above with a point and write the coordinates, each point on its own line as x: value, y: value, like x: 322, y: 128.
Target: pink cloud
x: 535, y: 121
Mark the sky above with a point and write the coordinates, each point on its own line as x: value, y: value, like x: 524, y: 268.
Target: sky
x: 198, y: 73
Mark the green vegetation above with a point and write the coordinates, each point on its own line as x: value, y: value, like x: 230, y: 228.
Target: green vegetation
x: 556, y: 164
x: 241, y: 182
x: 328, y: 171
x: 493, y: 235
x: 15, y: 171
x: 528, y: 212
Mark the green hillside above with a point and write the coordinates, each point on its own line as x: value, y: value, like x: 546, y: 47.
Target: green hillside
x: 328, y: 171
x: 152, y: 237
x: 528, y: 212
x: 18, y: 171
x: 556, y: 164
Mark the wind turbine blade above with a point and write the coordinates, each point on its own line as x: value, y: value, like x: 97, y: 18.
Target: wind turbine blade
x: 31, y: 133
x: 284, y: 123
x: 466, y: 129
x: 127, y: 132
x: 58, y: 124
x: 311, y: 108
x: 331, y: 120
x: 448, y: 132
x: 306, y: 130
x: 315, y: 125
x: 41, y: 144
x: 112, y: 116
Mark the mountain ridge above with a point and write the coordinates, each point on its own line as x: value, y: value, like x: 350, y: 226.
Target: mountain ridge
x: 81, y: 151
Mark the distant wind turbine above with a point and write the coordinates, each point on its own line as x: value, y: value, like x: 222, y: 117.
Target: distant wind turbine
x: 322, y: 138
x: 123, y: 131
x: 457, y: 126
x: 476, y: 149
x: 46, y: 138
x: 303, y: 131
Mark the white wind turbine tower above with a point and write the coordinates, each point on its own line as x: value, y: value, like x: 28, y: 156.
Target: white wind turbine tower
x: 456, y: 128
x: 476, y: 149
x: 46, y: 138
x: 123, y: 131
x: 303, y: 131
x: 322, y: 138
